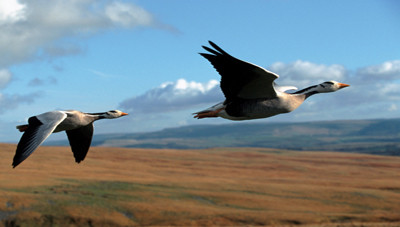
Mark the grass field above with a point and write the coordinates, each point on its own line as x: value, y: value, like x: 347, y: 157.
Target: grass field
x: 225, y: 186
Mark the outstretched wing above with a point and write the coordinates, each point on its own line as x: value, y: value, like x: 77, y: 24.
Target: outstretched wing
x: 240, y: 79
x: 80, y: 140
x: 39, y: 128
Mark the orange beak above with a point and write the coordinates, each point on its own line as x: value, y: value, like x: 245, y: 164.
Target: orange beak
x: 341, y: 85
x: 123, y: 114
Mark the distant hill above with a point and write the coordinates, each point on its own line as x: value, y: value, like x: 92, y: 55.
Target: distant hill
x: 362, y: 136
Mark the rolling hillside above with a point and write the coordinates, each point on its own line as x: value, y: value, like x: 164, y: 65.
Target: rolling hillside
x: 362, y: 136
x: 211, y: 187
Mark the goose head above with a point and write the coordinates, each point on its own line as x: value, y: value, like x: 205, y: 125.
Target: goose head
x: 330, y: 86
x: 113, y: 114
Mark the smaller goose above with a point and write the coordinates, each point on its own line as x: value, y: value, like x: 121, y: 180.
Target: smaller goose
x: 250, y: 91
x: 77, y: 125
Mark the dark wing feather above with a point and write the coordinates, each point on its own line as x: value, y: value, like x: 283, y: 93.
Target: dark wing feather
x: 240, y: 79
x: 80, y: 140
x: 27, y: 143
x: 39, y: 128
x: 211, y: 50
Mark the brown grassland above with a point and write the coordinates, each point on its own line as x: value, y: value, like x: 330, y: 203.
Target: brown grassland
x: 211, y: 187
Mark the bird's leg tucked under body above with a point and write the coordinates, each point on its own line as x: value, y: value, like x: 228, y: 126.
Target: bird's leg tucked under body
x: 208, y: 114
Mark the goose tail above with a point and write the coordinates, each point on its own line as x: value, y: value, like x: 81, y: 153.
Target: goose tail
x: 210, y: 112
x: 22, y: 128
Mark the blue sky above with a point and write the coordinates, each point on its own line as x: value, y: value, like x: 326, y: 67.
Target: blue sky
x: 142, y: 57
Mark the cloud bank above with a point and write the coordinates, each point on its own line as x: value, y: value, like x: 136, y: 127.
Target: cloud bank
x: 5, y: 77
x: 39, y: 29
x: 8, y: 102
x: 385, y: 72
x: 174, y: 96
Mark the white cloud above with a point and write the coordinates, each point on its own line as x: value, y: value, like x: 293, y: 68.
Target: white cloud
x: 393, y: 107
x: 386, y: 68
x: 174, y: 96
x: 304, y: 73
x: 386, y: 71
x: 11, y: 11
x: 375, y: 85
x: 128, y: 15
x: 375, y: 93
x: 8, y: 102
x: 5, y: 77
x: 41, y: 28
x: 389, y: 91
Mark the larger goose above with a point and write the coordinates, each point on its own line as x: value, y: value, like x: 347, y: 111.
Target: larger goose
x: 78, y: 126
x: 250, y: 91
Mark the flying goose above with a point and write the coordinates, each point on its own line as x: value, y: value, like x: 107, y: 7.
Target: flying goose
x: 77, y: 125
x: 250, y: 91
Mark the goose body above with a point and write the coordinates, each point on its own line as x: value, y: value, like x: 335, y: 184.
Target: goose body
x: 250, y: 91
x: 77, y: 125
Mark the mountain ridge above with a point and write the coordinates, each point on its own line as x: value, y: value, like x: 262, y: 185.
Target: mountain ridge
x: 372, y: 136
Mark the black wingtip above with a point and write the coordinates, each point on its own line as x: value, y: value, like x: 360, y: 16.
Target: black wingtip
x: 211, y: 50
x: 18, y: 159
x: 218, y: 48
x: 208, y: 56
x: 79, y: 156
x: 214, y: 45
x: 15, y: 164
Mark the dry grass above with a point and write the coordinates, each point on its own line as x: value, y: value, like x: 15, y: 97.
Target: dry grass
x: 227, y: 186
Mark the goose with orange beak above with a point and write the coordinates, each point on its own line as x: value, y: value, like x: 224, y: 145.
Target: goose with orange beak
x: 250, y: 91
x: 77, y: 125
